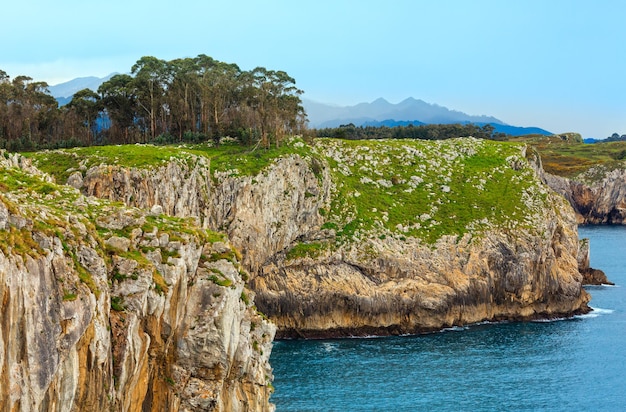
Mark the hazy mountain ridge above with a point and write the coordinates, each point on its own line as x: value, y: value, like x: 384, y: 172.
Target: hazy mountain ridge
x: 380, y: 112
x: 410, y: 109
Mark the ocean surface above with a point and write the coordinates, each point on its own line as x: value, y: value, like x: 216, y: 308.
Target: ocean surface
x: 577, y: 364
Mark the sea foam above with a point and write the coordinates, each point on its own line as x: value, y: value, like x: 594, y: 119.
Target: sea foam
x: 595, y: 313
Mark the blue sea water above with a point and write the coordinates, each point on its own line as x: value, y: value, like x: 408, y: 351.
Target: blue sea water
x: 577, y: 364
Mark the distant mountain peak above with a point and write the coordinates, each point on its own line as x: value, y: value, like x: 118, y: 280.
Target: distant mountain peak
x: 411, y: 100
x: 67, y: 89
x: 380, y: 100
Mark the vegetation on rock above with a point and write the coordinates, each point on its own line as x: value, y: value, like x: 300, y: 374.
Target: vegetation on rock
x: 426, y: 190
x: 230, y: 157
x: 568, y: 156
x: 61, y: 212
x: 385, y: 187
x: 86, y: 282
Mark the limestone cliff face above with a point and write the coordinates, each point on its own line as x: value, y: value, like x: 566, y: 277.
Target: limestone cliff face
x: 177, y: 187
x: 397, y: 287
x: 382, y: 280
x: 598, y: 196
x: 262, y: 214
x: 109, y: 308
x: 54, y: 352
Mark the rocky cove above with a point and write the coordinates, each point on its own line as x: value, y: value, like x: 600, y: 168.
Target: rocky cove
x: 598, y: 195
x: 147, y: 283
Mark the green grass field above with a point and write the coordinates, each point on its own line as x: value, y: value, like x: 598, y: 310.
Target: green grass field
x: 570, y: 157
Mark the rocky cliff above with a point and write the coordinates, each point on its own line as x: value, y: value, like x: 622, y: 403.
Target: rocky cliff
x: 591, y: 276
x: 262, y: 214
x: 467, y: 233
x: 597, y: 195
x: 354, y: 238
x: 106, y: 307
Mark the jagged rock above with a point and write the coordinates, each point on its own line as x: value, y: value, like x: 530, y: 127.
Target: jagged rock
x: 120, y: 220
x: 15, y: 160
x: 118, y: 243
x: 156, y: 210
x: 583, y: 254
x: 4, y: 217
x: 595, y: 277
x: 220, y: 247
x: 176, y: 187
x: 75, y: 180
x: 78, y: 333
x: 590, y: 276
x: 417, y: 289
x: 19, y: 222
x: 598, y: 196
x: 247, y: 206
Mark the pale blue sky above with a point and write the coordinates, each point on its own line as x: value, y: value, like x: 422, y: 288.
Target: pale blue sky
x: 555, y: 64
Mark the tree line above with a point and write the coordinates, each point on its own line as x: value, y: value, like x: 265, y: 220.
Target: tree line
x: 423, y: 132
x: 187, y: 99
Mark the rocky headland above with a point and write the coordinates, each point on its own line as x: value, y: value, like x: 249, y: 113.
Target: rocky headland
x: 370, y: 237
x: 592, y: 177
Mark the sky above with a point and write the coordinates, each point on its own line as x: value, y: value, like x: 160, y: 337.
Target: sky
x: 555, y: 64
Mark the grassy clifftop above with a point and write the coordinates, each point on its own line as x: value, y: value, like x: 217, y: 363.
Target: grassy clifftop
x: 399, y: 188
x: 229, y: 157
x: 427, y: 189
x: 566, y: 155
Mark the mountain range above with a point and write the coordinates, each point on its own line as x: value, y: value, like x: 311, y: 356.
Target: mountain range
x: 380, y: 112
x: 323, y: 115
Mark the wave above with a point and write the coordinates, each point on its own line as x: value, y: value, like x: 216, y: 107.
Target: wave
x: 595, y: 312
x: 550, y: 320
x: 455, y: 328
x: 602, y: 286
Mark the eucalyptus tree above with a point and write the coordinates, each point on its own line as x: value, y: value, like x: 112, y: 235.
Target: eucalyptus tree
x: 276, y: 102
x: 119, y: 102
x: 152, y: 78
x: 200, y: 95
x: 86, y: 106
x: 220, y: 94
x: 183, y: 96
x: 5, y: 95
x: 31, y: 111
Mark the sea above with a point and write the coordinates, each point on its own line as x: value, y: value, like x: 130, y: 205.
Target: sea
x: 576, y: 364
